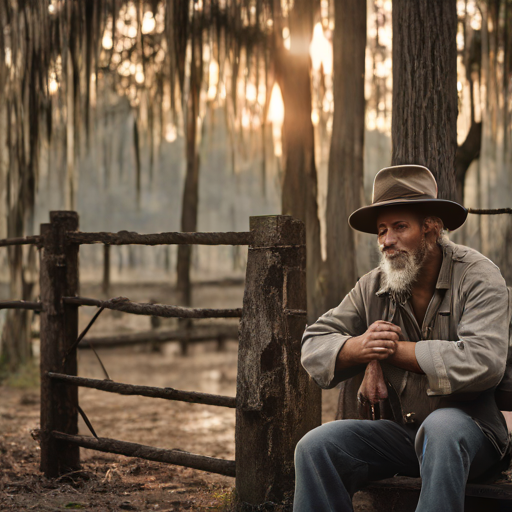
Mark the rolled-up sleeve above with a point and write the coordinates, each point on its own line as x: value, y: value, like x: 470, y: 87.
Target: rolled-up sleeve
x: 323, y: 340
x: 475, y: 361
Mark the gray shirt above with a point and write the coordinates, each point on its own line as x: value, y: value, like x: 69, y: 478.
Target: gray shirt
x: 461, y: 346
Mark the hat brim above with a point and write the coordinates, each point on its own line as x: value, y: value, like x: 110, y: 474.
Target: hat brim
x: 451, y: 213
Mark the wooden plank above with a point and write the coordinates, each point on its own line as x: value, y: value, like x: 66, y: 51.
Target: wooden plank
x: 163, y: 310
x: 59, y: 330
x: 491, y: 491
x: 277, y: 402
x: 130, y: 238
x: 401, y: 494
x: 153, y: 392
x: 177, y: 457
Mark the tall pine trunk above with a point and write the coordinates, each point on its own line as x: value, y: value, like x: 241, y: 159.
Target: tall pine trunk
x: 15, y: 344
x: 190, y: 198
x: 345, y: 181
x: 424, y: 129
x: 299, y: 193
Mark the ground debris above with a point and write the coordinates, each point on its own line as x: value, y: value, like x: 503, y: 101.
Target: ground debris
x: 109, y: 482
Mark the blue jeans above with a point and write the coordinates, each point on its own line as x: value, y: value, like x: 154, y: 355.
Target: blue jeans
x: 337, y: 459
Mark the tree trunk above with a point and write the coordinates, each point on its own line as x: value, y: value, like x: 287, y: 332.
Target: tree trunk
x: 15, y: 343
x: 15, y: 347
x: 190, y: 190
x: 345, y: 182
x: 190, y: 199
x: 299, y: 193
x: 424, y: 129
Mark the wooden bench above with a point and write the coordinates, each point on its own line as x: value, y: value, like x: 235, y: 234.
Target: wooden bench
x: 400, y: 494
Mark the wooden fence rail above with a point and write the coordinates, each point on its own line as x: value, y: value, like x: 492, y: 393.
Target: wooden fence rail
x: 129, y: 389
x: 129, y: 238
x: 28, y: 240
x: 20, y: 304
x: 196, y: 335
x: 163, y: 310
x: 178, y: 457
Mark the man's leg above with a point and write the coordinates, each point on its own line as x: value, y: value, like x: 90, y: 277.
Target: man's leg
x: 335, y: 460
x: 450, y: 448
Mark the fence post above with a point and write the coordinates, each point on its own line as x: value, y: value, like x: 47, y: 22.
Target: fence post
x: 59, y: 329
x: 277, y: 402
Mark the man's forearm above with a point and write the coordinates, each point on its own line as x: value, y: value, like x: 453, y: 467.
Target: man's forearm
x: 405, y: 357
x: 345, y: 357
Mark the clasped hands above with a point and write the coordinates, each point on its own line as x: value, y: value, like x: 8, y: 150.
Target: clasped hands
x: 382, y: 340
x: 379, y: 342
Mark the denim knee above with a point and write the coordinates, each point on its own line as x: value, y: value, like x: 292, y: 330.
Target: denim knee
x: 330, y: 443
x: 312, y: 443
x: 446, y: 429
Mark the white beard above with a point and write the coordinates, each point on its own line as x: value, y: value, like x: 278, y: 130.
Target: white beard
x: 400, y: 271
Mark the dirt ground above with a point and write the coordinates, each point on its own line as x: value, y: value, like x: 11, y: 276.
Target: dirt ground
x: 110, y: 482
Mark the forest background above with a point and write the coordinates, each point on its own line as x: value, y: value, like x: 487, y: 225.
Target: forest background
x: 154, y: 116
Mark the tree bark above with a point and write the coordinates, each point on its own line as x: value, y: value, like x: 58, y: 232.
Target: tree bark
x: 345, y: 181
x: 299, y: 192
x: 424, y: 129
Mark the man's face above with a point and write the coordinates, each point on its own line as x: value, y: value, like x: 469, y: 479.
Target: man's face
x: 400, y: 236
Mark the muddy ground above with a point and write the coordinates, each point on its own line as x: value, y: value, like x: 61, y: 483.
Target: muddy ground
x: 115, y: 483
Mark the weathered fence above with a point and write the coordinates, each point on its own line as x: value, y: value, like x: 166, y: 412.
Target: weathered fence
x: 276, y: 402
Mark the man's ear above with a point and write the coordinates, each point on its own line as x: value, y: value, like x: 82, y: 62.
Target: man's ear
x: 428, y: 226
x: 430, y: 229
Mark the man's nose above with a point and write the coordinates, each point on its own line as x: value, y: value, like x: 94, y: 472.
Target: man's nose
x: 389, y: 239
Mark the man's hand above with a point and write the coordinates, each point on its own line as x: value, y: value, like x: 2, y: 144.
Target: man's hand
x: 378, y: 342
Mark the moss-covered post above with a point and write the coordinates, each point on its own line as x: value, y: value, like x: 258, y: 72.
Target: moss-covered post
x: 277, y: 402
x: 59, y: 330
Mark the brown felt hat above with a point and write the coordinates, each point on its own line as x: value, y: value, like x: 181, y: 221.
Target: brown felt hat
x: 407, y: 185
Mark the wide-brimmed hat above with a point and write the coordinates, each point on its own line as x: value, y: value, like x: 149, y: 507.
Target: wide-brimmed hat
x: 407, y: 185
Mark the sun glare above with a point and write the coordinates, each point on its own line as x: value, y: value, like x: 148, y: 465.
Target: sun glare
x: 149, y: 23
x: 320, y: 50
x: 276, y: 107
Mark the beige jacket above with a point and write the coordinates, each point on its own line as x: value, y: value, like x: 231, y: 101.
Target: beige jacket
x: 461, y: 346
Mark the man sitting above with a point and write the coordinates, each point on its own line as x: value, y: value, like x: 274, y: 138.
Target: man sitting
x: 434, y: 316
